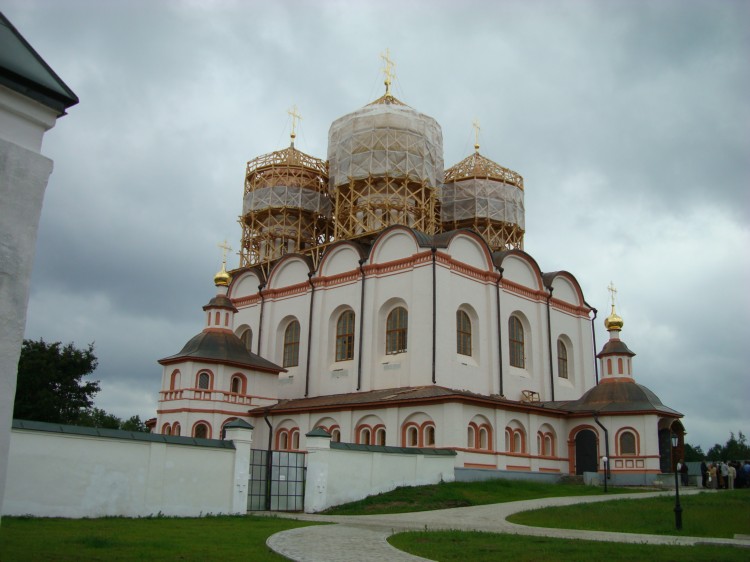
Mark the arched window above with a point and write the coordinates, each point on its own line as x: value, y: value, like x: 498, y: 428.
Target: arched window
x: 463, y: 333
x: 627, y: 443
x: 335, y: 434
x: 395, y: 331
x: 380, y: 436
x: 363, y: 436
x: 291, y: 345
x: 562, y: 359
x: 166, y: 429
x: 247, y: 339
x: 295, y: 439
x: 283, y: 440
x: 484, y: 438
x: 204, y: 380
x: 412, y: 436
x: 429, y: 436
x: 345, y: 336
x: 200, y: 431
x: 549, y: 445
x: 174, y: 381
x: 471, y: 437
x: 619, y: 366
x: 176, y: 429
x: 236, y: 384
x: 515, y: 331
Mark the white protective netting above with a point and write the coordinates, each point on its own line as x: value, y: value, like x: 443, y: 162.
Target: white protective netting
x: 281, y: 196
x: 482, y: 198
x: 385, y: 140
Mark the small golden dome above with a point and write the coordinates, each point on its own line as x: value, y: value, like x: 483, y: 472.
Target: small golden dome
x: 222, y: 278
x: 613, y: 321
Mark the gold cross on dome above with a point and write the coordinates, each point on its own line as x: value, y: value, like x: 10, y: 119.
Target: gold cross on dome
x: 225, y: 248
x: 475, y: 124
x: 388, y: 71
x: 613, y: 292
x: 295, y: 117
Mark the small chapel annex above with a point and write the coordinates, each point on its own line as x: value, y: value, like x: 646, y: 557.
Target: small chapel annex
x: 390, y: 302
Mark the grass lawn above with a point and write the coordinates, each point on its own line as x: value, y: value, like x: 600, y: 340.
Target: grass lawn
x: 160, y: 538
x: 462, y: 494
x: 721, y: 514
x: 478, y: 547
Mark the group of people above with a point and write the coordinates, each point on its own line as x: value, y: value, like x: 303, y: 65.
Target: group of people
x: 723, y: 475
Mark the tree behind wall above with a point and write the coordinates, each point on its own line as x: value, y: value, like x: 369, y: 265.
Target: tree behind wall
x: 50, y: 382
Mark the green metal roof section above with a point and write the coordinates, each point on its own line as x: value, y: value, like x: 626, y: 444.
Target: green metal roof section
x: 242, y: 424
x: 393, y: 450
x: 120, y: 434
x: 24, y: 71
x: 318, y: 432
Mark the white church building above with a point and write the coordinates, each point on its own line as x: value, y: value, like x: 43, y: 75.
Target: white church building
x: 389, y: 302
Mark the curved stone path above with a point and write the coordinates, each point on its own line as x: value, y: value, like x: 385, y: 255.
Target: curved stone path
x: 364, y: 537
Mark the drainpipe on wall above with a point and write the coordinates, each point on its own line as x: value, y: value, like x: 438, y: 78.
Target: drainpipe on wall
x: 262, y: 306
x: 549, y: 345
x: 361, y: 322
x: 268, y: 460
x: 593, y: 336
x: 606, y: 447
x: 499, y: 330
x: 434, y: 312
x: 309, y: 333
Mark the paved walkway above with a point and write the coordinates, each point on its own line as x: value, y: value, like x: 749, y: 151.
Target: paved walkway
x: 363, y: 537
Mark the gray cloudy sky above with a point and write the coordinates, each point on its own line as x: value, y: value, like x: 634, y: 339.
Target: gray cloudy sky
x: 629, y: 121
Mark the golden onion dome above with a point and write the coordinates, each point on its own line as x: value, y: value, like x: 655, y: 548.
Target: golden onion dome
x: 222, y: 278
x: 613, y: 321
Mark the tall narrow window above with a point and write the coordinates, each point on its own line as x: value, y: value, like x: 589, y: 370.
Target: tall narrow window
x: 463, y: 333
x: 236, y: 385
x: 515, y: 329
x: 247, y: 339
x: 204, y: 380
x: 395, y: 332
x: 470, y: 438
x: 291, y: 345
x: 345, y: 336
x: 562, y: 360
x: 429, y: 436
x: 380, y: 436
x: 412, y: 436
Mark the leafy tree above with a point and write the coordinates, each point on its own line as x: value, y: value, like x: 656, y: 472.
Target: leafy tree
x: 50, y: 382
x: 51, y: 387
x: 736, y: 448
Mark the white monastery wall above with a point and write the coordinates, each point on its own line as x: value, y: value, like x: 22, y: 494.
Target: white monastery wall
x: 70, y: 475
x: 338, y: 476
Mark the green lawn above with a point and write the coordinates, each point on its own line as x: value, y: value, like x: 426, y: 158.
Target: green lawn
x: 478, y: 547
x: 161, y: 538
x: 462, y: 494
x: 721, y: 514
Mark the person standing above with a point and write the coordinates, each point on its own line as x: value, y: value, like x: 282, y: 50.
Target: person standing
x: 712, y: 476
x: 704, y: 474
x: 683, y: 472
x: 724, y: 475
x: 731, y: 475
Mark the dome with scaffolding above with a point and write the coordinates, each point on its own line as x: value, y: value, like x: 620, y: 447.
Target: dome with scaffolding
x: 386, y: 164
x: 286, y: 206
x: 482, y: 195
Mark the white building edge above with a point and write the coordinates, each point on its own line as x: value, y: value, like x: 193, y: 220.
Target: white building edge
x: 346, y: 317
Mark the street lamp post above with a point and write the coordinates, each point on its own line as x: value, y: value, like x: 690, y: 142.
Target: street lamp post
x: 677, y: 507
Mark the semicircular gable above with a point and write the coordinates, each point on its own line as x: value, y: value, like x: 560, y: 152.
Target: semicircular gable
x: 339, y: 258
x: 394, y: 243
x: 565, y: 287
x: 245, y: 284
x: 292, y: 269
x: 521, y: 268
x: 469, y: 248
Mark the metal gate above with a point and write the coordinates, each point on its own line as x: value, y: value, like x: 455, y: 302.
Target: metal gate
x: 277, y: 481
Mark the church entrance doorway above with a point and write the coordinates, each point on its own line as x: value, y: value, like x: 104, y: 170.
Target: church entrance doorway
x: 586, y: 460
x: 277, y: 481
